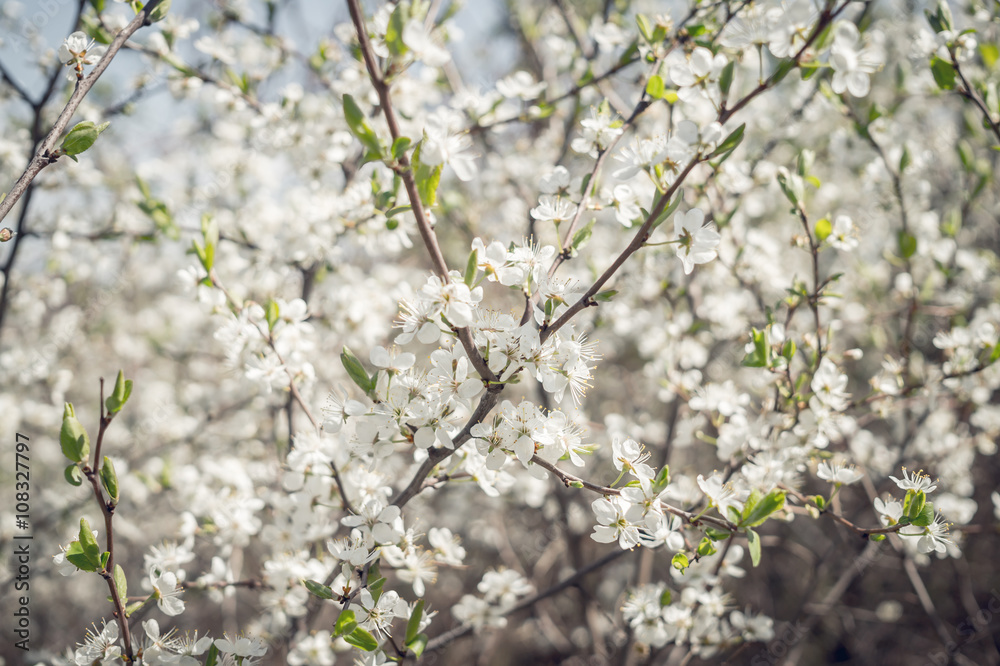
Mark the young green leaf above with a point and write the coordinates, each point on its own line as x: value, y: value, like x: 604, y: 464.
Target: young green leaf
x: 764, y: 508
x: 73, y: 437
x: 471, y: 269
x: 413, y: 624
x: 356, y: 370
x: 359, y: 126
x: 109, y: 479
x: 753, y: 541
x: 655, y: 87
x: 81, y: 138
x: 730, y: 143
x: 345, y: 623
x: 73, y: 475
x: 318, y: 589
x: 360, y: 638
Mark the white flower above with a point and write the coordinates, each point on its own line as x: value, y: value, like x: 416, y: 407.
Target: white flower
x: 478, y: 613
x: 828, y: 384
x: 521, y: 85
x: 851, y: 66
x: 444, y: 144
x: 629, y: 454
x: 378, y: 616
x: 721, y: 495
x: 241, y: 646
x: 98, y: 646
x: 697, y: 244
x: 935, y: 537
x: 890, y: 511
x: 618, y: 520
x: 391, y: 359
x: 917, y: 481
x: 838, y: 473
x: 844, y: 234
x: 599, y: 131
x: 695, y: 74
x: 504, y: 587
x: 420, y: 42
x: 167, y: 592
x: 553, y: 209
x: 79, y: 50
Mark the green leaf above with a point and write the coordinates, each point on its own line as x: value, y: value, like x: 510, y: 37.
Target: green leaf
x: 88, y: 543
x: 791, y: 185
x: 400, y: 146
x: 753, y: 541
x: 359, y: 125
x: 655, y: 87
x: 763, y: 509
x: 941, y: 20
x: 471, y: 269
x: 666, y: 597
x: 109, y: 479
x: 990, y: 54
x: 318, y: 589
x: 375, y: 586
x: 907, y: 244
x: 119, y: 396
x: 413, y: 624
x: 394, y: 30
x: 783, y: 69
x: 98, y: 5
x: 428, y: 178
x: 904, y: 160
x: 877, y: 537
x: 160, y: 11
x: 212, y: 658
x: 823, y: 229
x: 995, y: 354
x: 661, y: 480
x: 356, y: 370
x: 121, y: 584
x: 271, y: 313
x: 944, y: 73
x: 680, y: 562
x: 605, y: 296
x: 418, y: 644
x: 360, y: 638
x: 73, y: 475
x: 729, y: 144
x: 81, y: 137
x: 726, y: 79
x: 926, y: 516
x: 716, y: 534
x: 345, y: 623
x: 393, y: 212
x: 76, y: 556
x: 706, y: 547
x: 581, y: 237
x: 667, y: 211
x: 760, y: 356
x: 73, y: 437
x: 914, y: 503
x: 645, y: 27
x: 210, y: 232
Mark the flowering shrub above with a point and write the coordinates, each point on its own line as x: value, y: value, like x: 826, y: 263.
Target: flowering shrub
x: 623, y: 354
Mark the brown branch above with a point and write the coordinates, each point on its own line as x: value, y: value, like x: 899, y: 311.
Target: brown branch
x: 406, y: 173
x: 43, y: 156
